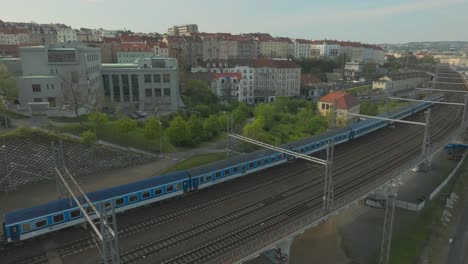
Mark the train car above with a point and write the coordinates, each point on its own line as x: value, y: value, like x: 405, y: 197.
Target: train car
x: 319, y: 142
x: 35, y: 221
x: 220, y: 171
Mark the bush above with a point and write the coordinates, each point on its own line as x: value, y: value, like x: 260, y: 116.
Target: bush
x: 88, y: 137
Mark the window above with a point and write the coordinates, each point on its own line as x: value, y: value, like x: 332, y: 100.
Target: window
x: 157, y: 191
x: 148, y: 92
x: 125, y: 87
x: 116, y: 86
x: 147, y: 78
x: 208, y: 178
x: 157, y: 92
x: 107, y: 205
x: 52, y: 102
x: 227, y: 172
x: 243, y: 167
x: 265, y: 161
x: 58, y: 218
x: 251, y: 165
x: 167, y: 91
x: 166, y: 78
x: 41, y: 223
x: 132, y: 198
x: 235, y: 169
x: 119, y: 202
x: 202, y: 179
x: 169, y: 188
x: 145, y: 195
x: 259, y: 162
x: 178, y: 186
x: 218, y: 175
x: 89, y: 210
x: 36, y: 88
x: 157, y: 78
x: 25, y: 227
x: 323, y: 106
x: 75, y: 213
x: 135, y: 88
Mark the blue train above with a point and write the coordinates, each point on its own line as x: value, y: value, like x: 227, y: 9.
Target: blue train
x: 27, y: 223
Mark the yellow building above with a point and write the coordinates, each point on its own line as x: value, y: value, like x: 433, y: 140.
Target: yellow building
x: 345, y: 103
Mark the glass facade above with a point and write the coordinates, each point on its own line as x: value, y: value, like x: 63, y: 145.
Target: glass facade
x: 135, y: 88
x: 126, y: 88
x: 116, y: 85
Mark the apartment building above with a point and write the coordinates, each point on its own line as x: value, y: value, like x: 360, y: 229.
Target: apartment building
x: 276, y: 78
x: 302, y: 48
x: 269, y: 47
x: 325, y: 49
x: 182, y: 30
x: 65, y: 34
x: 401, y: 81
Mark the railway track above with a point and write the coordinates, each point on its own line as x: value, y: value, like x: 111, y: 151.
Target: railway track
x: 127, y: 230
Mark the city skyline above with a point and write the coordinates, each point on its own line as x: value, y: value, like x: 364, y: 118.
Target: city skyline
x: 366, y: 21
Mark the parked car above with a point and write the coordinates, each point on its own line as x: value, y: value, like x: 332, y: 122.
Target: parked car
x: 133, y: 116
x: 141, y: 114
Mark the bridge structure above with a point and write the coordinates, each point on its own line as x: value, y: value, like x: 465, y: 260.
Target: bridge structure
x: 239, y: 220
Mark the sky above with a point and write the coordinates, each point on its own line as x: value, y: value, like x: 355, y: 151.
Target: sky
x: 370, y: 21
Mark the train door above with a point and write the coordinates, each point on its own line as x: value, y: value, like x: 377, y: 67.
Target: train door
x: 351, y: 135
x: 185, y: 186
x: 195, y: 184
x: 14, y: 233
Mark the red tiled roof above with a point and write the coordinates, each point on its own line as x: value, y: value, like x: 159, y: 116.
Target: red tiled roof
x: 308, y: 79
x: 131, y: 38
x: 342, y: 99
x: 218, y: 76
x: 135, y: 47
x: 303, y: 41
x: 13, y: 30
x: 110, y: 39
x: 270, y: 63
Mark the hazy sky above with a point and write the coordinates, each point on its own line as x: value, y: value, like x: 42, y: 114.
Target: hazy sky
x: 372, y: 21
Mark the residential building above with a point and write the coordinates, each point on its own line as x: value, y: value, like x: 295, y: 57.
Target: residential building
x: 86, y: 35
x: 161, y: 50
x: 344, y: 103
x: 14, y: 36
x: 65, y: 34
x: 182, y: 30
x: 276, y: 78
x: 312, y: 87
x: 226, y: 86
x: 325, y: 49
x: 59, y: 76
x: 245, y: 88
x: 302, y: 48
x: 188, y: 50
x: 128, y: 53
x: 401, y: 81
x: 270, y: 47
x: 148, y: 84
x: 109, y: 48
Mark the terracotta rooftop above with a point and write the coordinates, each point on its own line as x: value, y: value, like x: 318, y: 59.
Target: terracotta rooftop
x: 309, y: 79
x: 218, y: 76
x: 342, y: 99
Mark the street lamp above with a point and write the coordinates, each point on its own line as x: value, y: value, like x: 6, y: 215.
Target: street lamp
x: 160, y: 137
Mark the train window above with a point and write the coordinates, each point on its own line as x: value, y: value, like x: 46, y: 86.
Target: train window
x: 273, y: 158
x: 25, y: 227
x: 75, y: 213
x: 41, y: 223
x: 107, y: 205
x: 119, y: 202
x: 132, y: 198
x: 145, y: 195
x: 235, y: 169
x: 58, y: 218
x: 218, y: 175
x: 265, y: 161
x: 202, y: 179
x: 302, y: 150
x: 243, y: 167
x: 169, y: 188
x: 208, y: 178
x: 178, y: 186
x: 90, y: 210
x: 259, y: 162
x: 157, y: 191
x: 280, y: 156
x: 251, y: 165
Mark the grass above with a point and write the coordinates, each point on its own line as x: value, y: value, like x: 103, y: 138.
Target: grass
x: 63, y: 119
x: 360, y: 89
x: 197, y: 161
x: 391, y: 106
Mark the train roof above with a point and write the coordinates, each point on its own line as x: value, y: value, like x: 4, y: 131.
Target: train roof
x: 63, y: 204
x: 219, y: 165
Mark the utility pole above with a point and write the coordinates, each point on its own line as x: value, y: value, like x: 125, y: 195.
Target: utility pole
x: 390, y: 206
x: 328, y: 194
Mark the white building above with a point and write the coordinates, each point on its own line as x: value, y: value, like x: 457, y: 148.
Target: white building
x: 66, y: 35
x: 149, y: 84
x: 324, y: 49
x: 14, y: 36
x: 182, y: 30
x: 302, y: 48
x: 60, y: 76
x: 401, y: 81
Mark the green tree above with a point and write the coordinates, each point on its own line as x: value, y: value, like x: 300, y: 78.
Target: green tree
x: 125, y: 125
x: 179, y: 132
x: 211, y: 126
x: 152, y: 128
x: 198, y: 92
x: 195, y: 126
x: 88, y: 137
x: 98, y: 119
x: 7, y: 84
